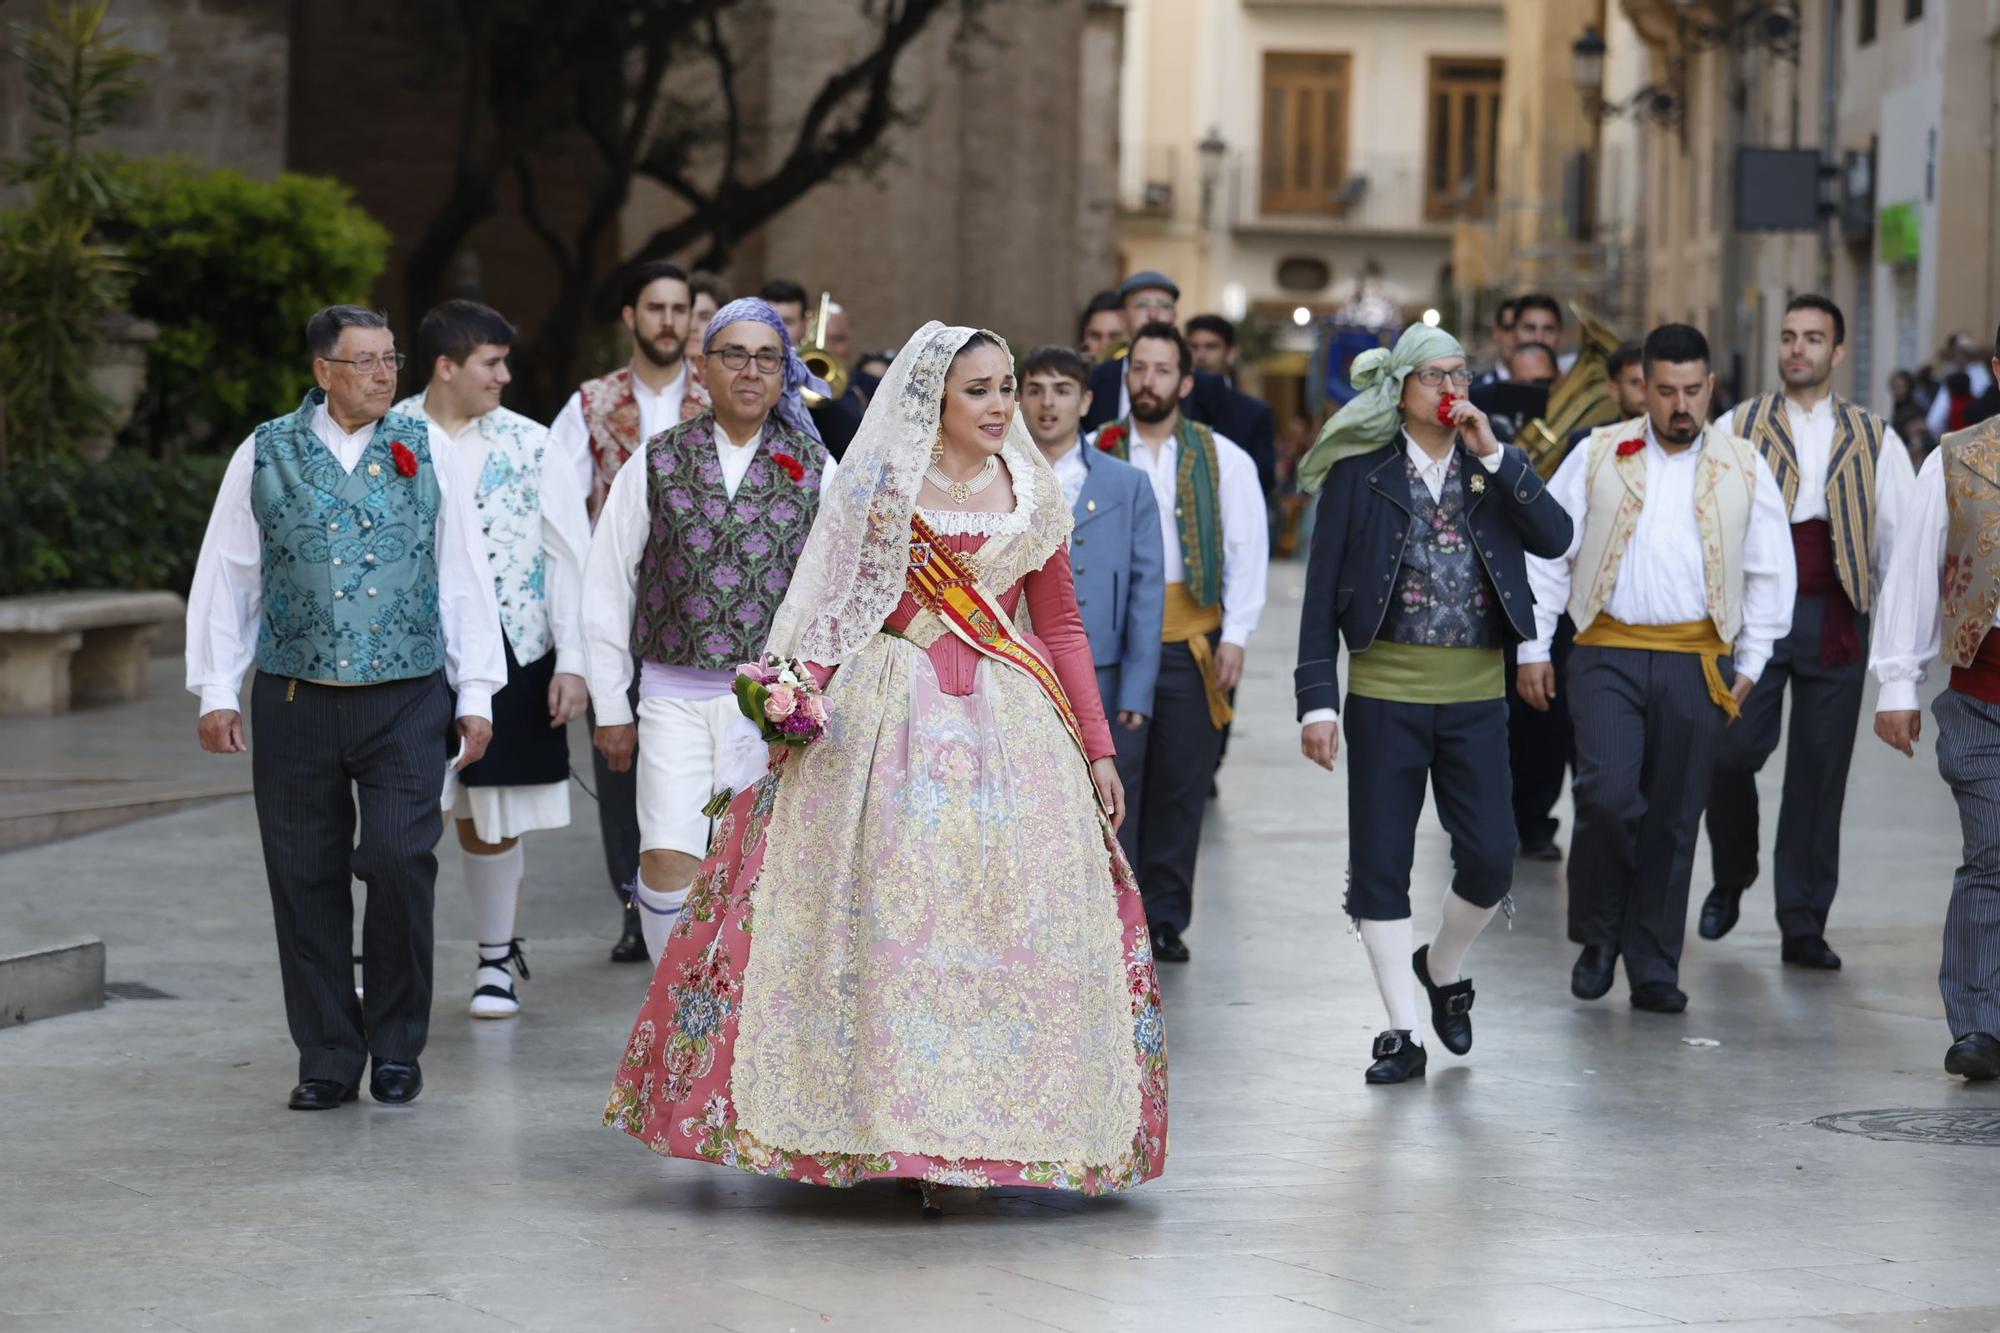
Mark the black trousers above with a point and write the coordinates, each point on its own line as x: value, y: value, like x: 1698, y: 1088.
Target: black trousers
x: 1968, y: 751
x: 1130, y: 759
x: 315, y: 751
x: 1646, y: 736
x: 1394, y: 751
x: 1181, y: 753
x: 1541, y: 747
x: 618, y: 809
x: 1826, y: 708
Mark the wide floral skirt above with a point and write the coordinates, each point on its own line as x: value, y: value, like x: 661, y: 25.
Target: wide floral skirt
x: 915, y: 951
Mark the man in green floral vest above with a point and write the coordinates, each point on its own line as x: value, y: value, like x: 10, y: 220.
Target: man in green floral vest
x: 344, y: 559
x: 1217, y: 546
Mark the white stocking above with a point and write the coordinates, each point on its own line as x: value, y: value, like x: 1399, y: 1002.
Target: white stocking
x: 493, y: 883
x: 1457, y: 929
x: 1389, y: 945
x: 657, y: 914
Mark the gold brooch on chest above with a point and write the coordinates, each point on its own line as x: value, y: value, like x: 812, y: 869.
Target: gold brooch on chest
x: 1478, y: 485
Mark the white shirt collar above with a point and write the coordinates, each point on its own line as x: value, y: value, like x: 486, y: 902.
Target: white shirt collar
x: 1823, y: 408
x: 329, y: 429
x: 1074, y: 454
x: 640, y: 386
x: 1653, y: 442
x: 1424, y: 462
x: 727, y: 441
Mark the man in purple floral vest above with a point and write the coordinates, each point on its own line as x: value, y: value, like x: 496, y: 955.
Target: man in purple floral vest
x: 693, y: 552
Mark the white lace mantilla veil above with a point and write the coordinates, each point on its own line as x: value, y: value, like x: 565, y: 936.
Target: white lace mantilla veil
x: 851, y: 574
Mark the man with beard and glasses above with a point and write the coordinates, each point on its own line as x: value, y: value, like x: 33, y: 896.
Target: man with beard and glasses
x: 1217, y: 547
x: 1680, y: 581
x: 604, y: 423
x: 1846, y: 477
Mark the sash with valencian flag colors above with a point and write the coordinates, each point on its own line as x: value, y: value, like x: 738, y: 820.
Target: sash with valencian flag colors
x: 949, y: 588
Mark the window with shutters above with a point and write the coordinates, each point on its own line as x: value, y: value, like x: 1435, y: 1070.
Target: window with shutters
x: 1304, y: 160
x: 1462, y: 164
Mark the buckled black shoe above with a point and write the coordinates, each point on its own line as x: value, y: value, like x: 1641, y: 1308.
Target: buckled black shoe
x: 631, y: 946
x: 1659, y: 997
x: 321, y: 1094
x: 1591, y: 978
x: 1810, y: 951
x: 1168, y: 947
x: 1975, y: 1057
x: 1451, y: 1006
x: 1720, y: 912
x: 1397, y: 1058
x: 396, y: 1082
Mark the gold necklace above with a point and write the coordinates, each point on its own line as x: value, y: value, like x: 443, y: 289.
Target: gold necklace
x: 961, y: 492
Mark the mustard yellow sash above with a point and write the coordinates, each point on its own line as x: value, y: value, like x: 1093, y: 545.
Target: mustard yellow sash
x: 1187, y: 621
x: 1694, y: 636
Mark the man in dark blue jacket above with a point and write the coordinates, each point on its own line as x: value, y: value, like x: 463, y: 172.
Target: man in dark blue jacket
x: 1419, y: 563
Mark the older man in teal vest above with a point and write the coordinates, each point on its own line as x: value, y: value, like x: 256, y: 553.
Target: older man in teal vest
x: 344, y: 560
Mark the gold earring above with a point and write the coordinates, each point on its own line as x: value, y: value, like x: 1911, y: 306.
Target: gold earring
x: 937, y: 451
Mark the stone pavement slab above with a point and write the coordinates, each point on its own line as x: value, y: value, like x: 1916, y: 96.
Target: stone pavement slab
x: 1583, y: 1168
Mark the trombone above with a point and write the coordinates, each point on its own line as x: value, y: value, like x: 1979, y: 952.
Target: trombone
x: 821, y: 362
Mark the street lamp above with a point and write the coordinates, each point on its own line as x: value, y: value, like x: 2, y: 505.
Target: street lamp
x: 1587, y: 65
x: 1213, y: 149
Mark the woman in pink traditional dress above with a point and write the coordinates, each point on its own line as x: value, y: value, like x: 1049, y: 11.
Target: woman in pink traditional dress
x: 916, y: 951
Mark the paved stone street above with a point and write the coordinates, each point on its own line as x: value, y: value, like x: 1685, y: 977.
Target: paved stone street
x: 1584, y: 1168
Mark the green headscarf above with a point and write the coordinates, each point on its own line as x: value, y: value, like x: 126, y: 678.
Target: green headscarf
x: 1373, y: 416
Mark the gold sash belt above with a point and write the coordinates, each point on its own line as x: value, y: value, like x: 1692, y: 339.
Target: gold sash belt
x: 1693, y: 636
x: 1188, y: 622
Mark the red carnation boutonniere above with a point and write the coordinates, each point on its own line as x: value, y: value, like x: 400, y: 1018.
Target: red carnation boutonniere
x: 1107, y: 439
x: 406, y: 462
x: 1627, y: 448
x: 792, y: 466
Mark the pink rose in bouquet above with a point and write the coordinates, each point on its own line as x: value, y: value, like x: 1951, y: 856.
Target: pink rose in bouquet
x: 783, y: 699
x: 780, y: 703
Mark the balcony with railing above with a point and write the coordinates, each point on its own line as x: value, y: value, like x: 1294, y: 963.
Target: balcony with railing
x: 1369, y: 195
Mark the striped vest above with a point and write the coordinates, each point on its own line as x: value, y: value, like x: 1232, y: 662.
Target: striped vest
x: 1850, y: 479
x: 1616, y: 494
x: 1970, y: 586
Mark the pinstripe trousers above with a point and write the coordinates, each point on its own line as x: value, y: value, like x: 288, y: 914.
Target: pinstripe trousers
x: 1646, y: 736
x: 314, y: 749
x: 1968, y: 752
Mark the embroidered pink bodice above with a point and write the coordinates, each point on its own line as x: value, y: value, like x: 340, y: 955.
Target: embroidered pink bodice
x: 1058, y: 636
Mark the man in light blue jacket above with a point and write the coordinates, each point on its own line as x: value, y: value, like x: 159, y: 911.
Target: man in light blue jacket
x: 1115, y: 553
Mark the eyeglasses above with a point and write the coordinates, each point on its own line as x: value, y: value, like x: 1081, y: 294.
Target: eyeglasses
x: 769, y: 359
x: 1433, y: 377
x: 368, y: 365
x: 1154, y: 307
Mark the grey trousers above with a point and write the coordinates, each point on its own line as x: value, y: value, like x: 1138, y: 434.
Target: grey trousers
x: 1130, y: 759
x: 315, y: 750
x: 618, y: 809
x: 1968, y: 752
x: 1826, y: 708
x: 1646, y: 735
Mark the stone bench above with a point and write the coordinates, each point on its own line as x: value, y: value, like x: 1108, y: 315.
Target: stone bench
x: 61, y: 648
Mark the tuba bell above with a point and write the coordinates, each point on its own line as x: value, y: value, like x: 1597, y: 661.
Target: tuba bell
x: 821, y: 362
x: 1584, y: 398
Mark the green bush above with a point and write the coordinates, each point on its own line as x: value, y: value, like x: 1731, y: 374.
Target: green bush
x: 128, y: 522
x: 230, y: 269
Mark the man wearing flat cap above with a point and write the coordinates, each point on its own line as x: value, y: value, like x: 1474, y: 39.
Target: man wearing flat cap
x: 1144, y: 298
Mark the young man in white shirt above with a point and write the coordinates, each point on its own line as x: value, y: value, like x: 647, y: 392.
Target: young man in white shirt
x: 1679, y: 580
x: 604, y: 423
x: 1845, y: 477
x: 536, y: 538
x: 1216, y: 545
x: 344, y: 560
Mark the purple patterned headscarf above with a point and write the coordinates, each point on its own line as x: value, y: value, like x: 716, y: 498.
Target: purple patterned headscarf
x: 791, y: 408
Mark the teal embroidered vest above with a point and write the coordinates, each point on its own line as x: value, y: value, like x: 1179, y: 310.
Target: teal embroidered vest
x: 1850, y: 479
x: 350, y: 558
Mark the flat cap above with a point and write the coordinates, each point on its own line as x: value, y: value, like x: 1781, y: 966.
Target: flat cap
x: 1146, y: 279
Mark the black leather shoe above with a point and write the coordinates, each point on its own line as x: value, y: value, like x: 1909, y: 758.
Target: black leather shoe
x: 1811, y: 951
x: 1544, y: 850
x: 1451, y: 1006
x: 1591, y: 978
x: 1719, y: 912
x: 1659, y: 997
x: 321, y: 1094
x: 1397, y: 1059
x: 396, y: 1082
x: 1168, y: 946
x: 631, y: 946
x: 1975, y: 1057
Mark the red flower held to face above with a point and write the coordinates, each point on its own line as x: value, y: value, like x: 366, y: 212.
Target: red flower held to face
x: 406, y: 462
x: 1632, y: 446
x: 792, y: 466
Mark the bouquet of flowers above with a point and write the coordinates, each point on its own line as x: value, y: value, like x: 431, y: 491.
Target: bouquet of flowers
x: 783, y: 700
